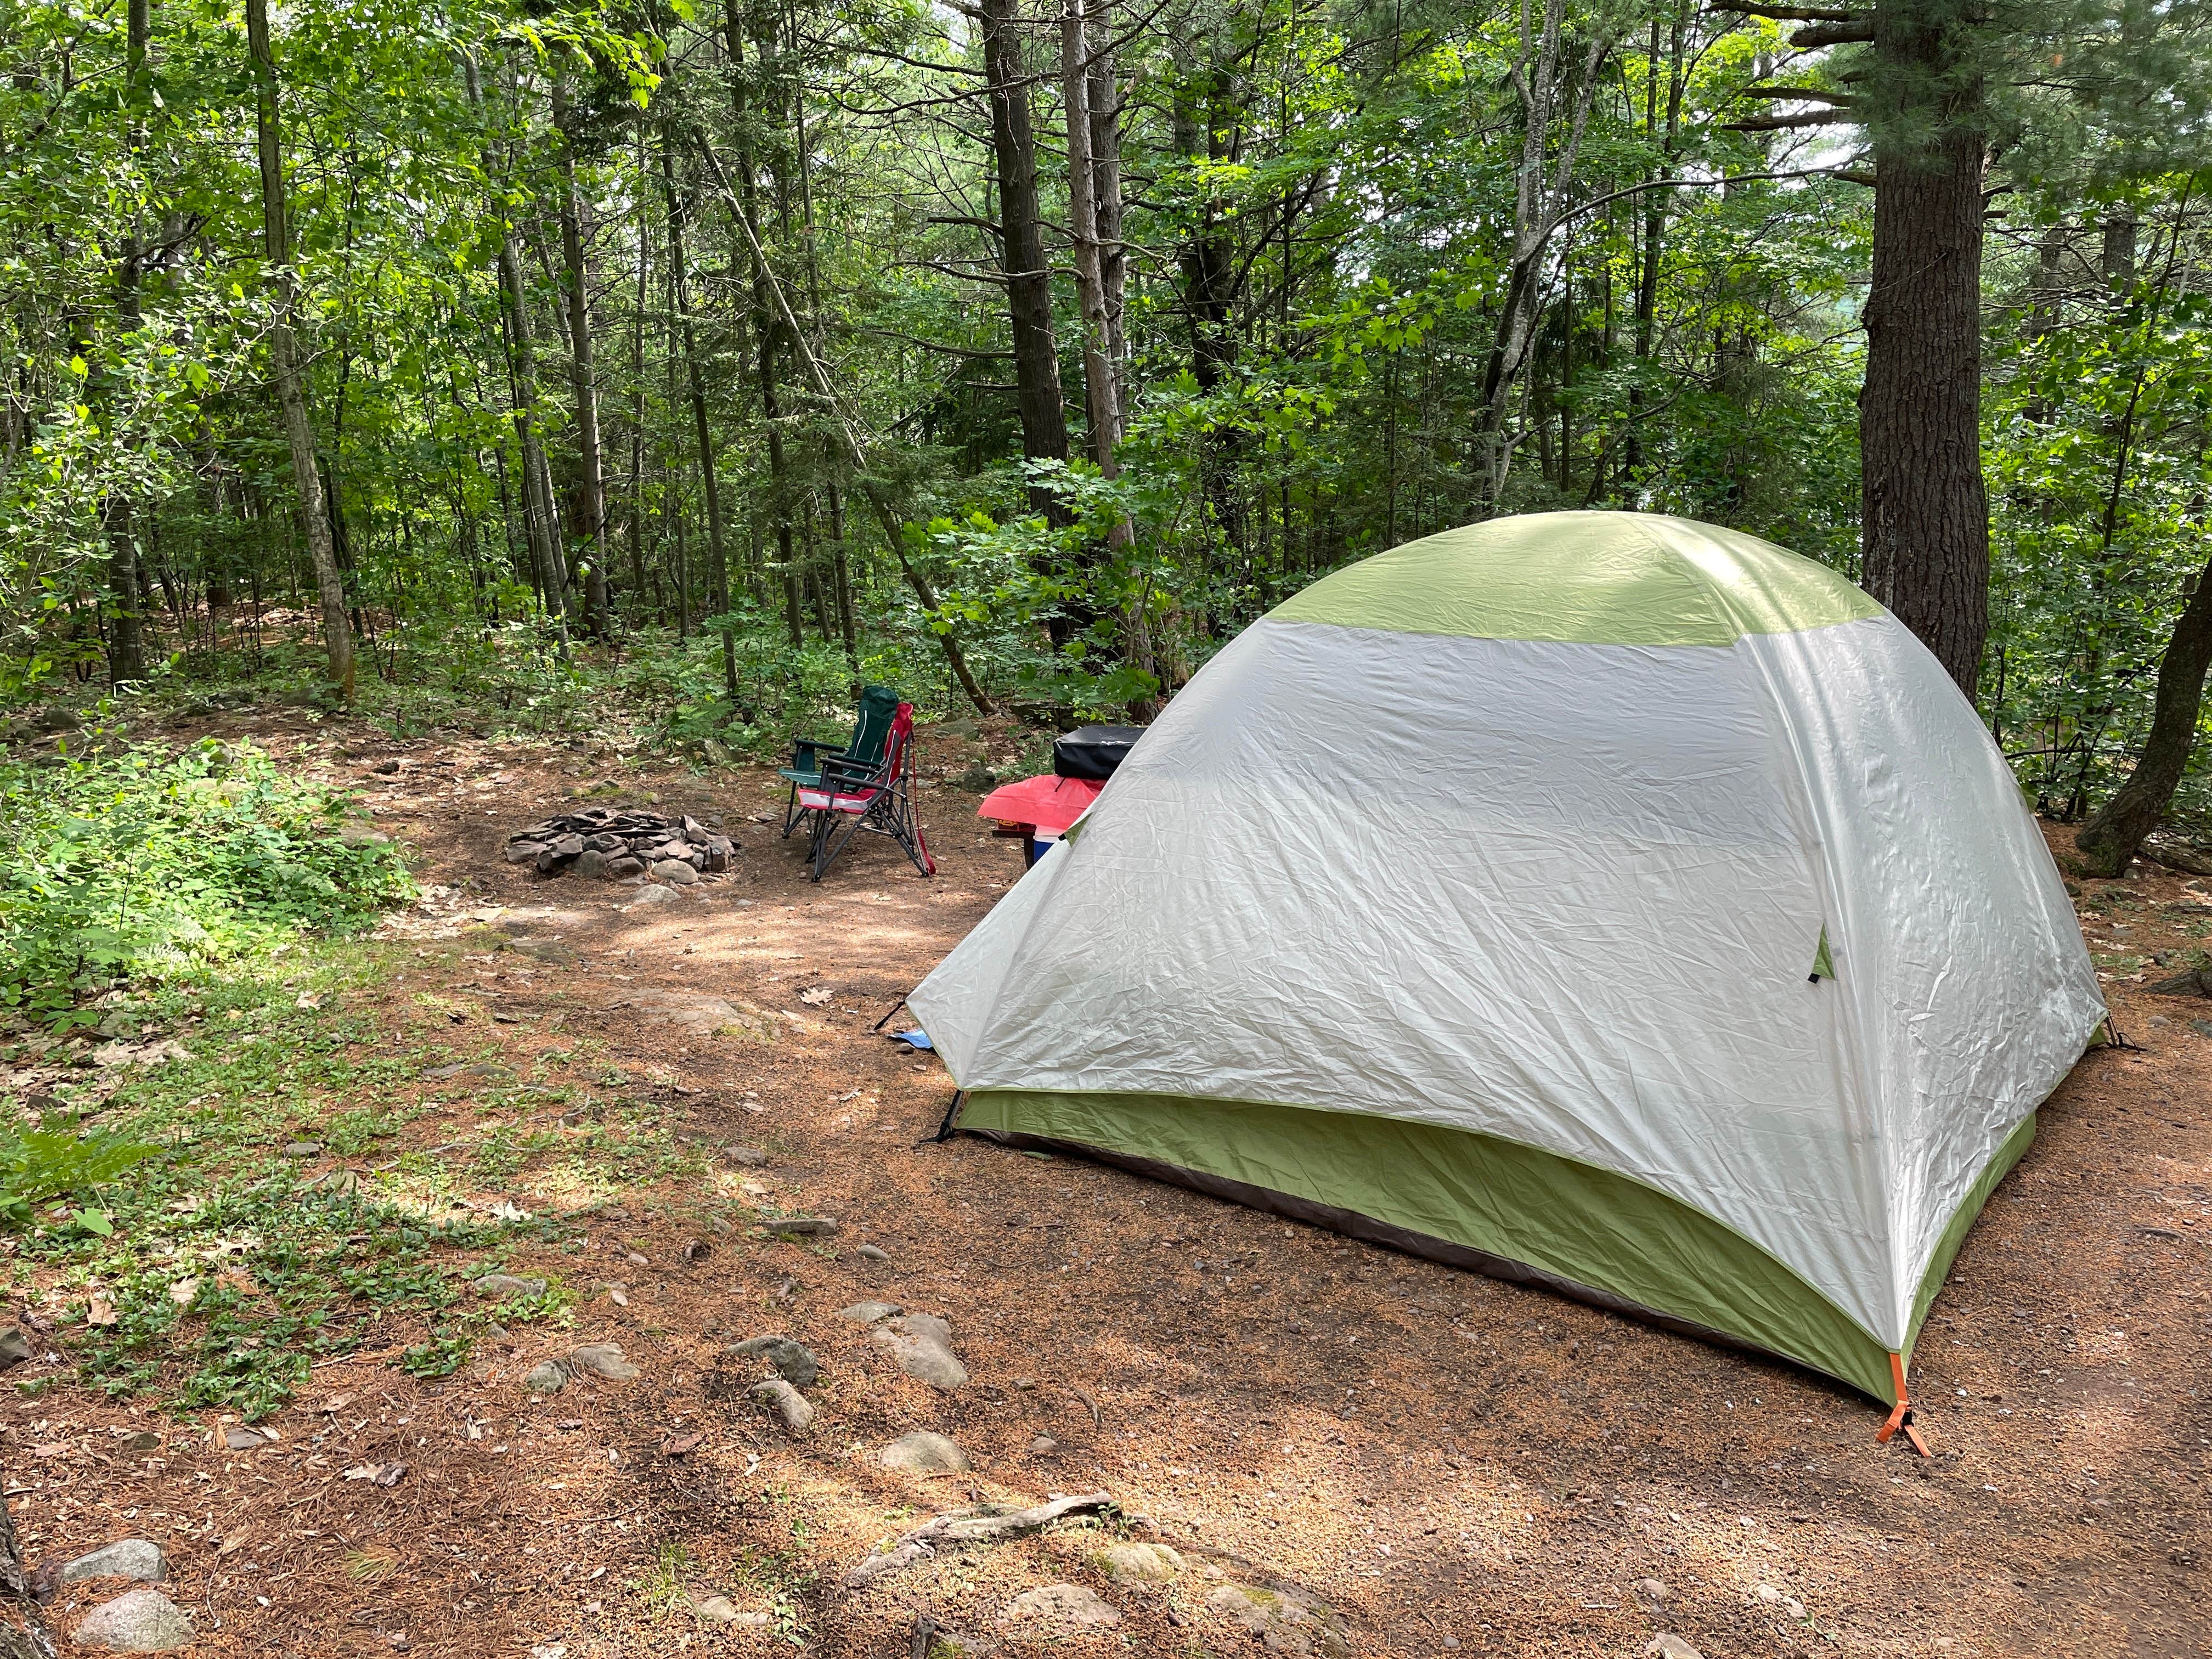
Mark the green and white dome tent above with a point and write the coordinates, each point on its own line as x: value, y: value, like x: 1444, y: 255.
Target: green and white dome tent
x: 1597, y: 899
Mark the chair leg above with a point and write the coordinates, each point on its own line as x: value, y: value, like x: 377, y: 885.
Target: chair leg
x: 833, y: 843
x: 816, y: 841
x: 792, y: 813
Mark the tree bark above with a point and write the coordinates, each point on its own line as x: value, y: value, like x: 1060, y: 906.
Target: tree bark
x: 590, y: 518
x: 718, y: 564
x: 126, y: 646
x: 284, y: 353
x: 2112, y: 836
x: 1029, y: 276
x: 1541, y: 75
x: 1925, y: 513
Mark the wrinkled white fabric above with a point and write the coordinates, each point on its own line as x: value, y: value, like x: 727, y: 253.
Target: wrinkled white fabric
x: 1569, y: 895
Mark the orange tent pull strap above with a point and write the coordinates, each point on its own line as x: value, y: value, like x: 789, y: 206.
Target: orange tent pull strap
x: 1901, y: 1414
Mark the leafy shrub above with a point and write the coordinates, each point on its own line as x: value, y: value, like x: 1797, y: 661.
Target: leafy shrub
x: 150, y: 863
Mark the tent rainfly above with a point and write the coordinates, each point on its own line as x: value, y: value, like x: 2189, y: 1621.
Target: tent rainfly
x: 1598, y: 900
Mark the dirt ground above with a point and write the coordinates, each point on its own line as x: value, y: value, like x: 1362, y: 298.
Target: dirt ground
x: 1394, y: 1458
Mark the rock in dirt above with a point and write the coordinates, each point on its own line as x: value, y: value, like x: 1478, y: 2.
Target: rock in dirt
x: 1133, y: 1561
x: 794, y: 1361
x: 127, y: 1558
x: 502, y: 1287
x: 1043, y: 1445
x: 924, y: 1453
x: 875, y: 1253
x: 603, y: 1359
x: 721, y: 1610
x: 304, y: 1149
x: 1653, y: 1590
x: 622, y: 869
x: 867, y: 1313
x: 546, y: 1376
x: 698, y: 1013
x: 803, y: 1226
x: 647, y: 896
x: 1668, y: 1646
x: 989, y: 1523
x: 15, y: 1347
x: 786, y: 1402
x: 1062, y: 1609
x: 746, y: 1158
x: 921, y: 1344
x: 136, y: 1621
x: 1287, y: 1619
x: 675, y: 872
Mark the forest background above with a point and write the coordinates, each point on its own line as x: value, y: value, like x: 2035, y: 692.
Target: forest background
x: 490, y: 365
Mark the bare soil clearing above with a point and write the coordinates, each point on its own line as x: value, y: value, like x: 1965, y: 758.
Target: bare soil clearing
x: 1342, y: 1449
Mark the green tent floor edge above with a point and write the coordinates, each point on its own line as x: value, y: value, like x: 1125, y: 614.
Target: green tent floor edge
x: 1482, y: 1203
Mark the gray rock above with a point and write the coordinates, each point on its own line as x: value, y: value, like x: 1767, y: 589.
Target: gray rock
x: 546, y: 1376
x: 136, y: 1621
x: 924, y: 1453
x: 1286, y: 1620
x: 794, y: 1361
x: 603, y: 1359
x: 242, y: 1439
x: 590, y: 862
x: 921, y: 1344
x: 304, y: 1149
x: 522, y: 852
x: 1061, y: 1609
x: 501, y: 1287
x: 867, y: 1313
x: 675, y: 872
x: 1653, y: 1590
x: 1044, y: 1444
x: 874, y: 1253
x: 786, y: 1402
x: 622, y: 869
x: 604, y: 842
x: 127, y: 1558
x: 648, y: 894
x: 15, y: 1346
x: 803, y: 1226
x: 1668, y: 1646
x: 1134, y: 1562
x: 749, y: 1158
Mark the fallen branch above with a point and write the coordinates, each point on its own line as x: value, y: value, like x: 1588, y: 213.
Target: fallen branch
x: 987, y: 1525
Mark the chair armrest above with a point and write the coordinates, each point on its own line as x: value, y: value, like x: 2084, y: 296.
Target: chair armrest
x: 838, y: 773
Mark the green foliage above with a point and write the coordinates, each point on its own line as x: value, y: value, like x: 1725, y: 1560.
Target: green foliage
x: 148, y: 865
x: 55, y: 1158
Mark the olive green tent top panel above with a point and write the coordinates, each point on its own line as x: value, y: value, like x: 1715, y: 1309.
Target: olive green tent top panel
x: 1568, y: 1220
x: 1584, y: 579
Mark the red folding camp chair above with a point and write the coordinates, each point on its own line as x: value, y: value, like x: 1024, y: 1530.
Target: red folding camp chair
x: 854, y: 795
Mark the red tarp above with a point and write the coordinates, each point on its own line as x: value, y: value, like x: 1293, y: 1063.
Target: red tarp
x: 1047, y: 804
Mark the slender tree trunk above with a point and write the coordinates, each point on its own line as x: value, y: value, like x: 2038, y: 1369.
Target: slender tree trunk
x: 1924, y: 515
x: 284, y: 353
x: 1198, y: 115
x: 1545, y: 80
x: 126, y: 647
x: 1105, y: 101
x: 2112, y: 836
x: 1027, y: 274
x: 591, y: 516
x: 718, y: 567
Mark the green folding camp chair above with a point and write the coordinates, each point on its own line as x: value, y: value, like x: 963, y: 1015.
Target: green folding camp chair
x: 871, y: 729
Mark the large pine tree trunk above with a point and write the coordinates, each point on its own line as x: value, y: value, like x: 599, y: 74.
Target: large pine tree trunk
x: 702, y: 434
x: 1925, y: 514
x: 283, y: 353
x: 2111, y: 837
